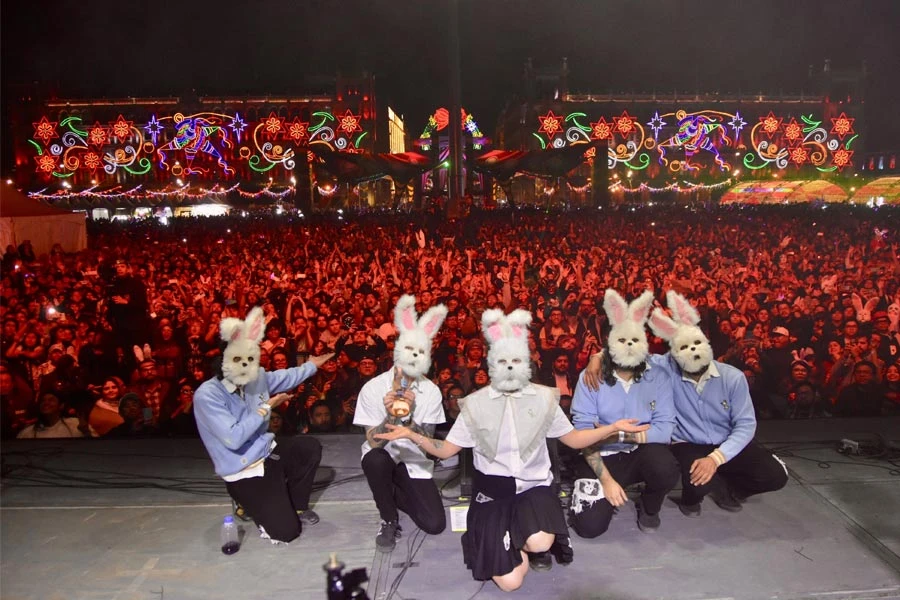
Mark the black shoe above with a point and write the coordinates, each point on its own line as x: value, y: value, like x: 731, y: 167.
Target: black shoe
x: 562, y: 550
x: 646, y: 522
x: 689, y: 510
x: 239, y: 511
x: 723, y: 497
x: 387, y: 536
x: 308, y: 517
x: 540, y: 561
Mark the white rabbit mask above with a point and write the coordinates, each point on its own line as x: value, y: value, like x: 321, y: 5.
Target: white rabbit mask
x: 509, y: 362
x: 240, y: 360
x: 687, y: 343
x: 412, y: 351
x: 627, y: 342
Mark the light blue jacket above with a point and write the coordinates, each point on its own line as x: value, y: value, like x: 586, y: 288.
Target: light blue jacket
x: 648, y: 400
x: 233, y: 432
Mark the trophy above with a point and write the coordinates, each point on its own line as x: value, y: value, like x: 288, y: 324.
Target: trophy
x: 400, y: 406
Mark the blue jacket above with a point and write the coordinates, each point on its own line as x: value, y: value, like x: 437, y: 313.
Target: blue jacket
x: 721, y: 415
x: 235, y: 435
x: 648, y: 400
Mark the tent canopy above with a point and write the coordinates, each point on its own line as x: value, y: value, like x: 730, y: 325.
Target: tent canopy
x: 23, y: 218
x: 884, y: 190
x: 784, y: 192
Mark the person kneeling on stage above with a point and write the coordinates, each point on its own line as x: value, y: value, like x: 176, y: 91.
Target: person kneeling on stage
x: 715, y: 423
x: 514, y: 511
x: 398, y: 472
x: 628, y: 386
x: 271, y: 482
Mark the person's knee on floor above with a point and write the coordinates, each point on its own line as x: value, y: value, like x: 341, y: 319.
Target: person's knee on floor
x: 539, y: 542
x: 513, y: 580
x: 432, y: 524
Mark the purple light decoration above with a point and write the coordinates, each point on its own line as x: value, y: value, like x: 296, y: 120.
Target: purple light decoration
x: 737, y: 123
x: 154, y: 128
x: 656, y: 123
x: 237, y: 125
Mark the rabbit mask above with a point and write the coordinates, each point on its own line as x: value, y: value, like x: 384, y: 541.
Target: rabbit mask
x: 509, y: 362
x: 687, y: 343
x: 627, y: 340
x: 412, y: 351
x: 240, y: 359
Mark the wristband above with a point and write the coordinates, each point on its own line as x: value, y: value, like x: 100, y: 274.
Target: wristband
x: 621, y: 437
x: 264, y: 410
x: 717, y: 457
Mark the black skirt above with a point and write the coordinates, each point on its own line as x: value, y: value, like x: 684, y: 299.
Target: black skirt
x: 500, y: 521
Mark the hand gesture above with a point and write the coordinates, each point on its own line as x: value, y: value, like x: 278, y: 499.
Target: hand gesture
x: 613, y: 492
x: 396, y: 432
x: 702, y: 470
x: 592, y: 373
x: 278, y: 399
x: 318, y: 361
x: 630, y: 426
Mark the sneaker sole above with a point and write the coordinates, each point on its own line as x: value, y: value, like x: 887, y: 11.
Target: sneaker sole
x: 729, y: 507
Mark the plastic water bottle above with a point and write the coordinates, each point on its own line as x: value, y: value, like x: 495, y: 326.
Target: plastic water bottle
x: 231, y: 541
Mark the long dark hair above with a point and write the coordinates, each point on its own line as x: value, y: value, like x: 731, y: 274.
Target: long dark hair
x: 607, y: 367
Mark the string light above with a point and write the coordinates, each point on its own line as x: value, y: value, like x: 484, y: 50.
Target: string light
x: 181, y: 191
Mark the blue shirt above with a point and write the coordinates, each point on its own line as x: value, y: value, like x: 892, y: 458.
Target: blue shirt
x: 648, y: 400
x: 235, y: 435
x: 721, y: 414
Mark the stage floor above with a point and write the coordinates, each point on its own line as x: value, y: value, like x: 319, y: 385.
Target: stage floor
x: 139, y: 520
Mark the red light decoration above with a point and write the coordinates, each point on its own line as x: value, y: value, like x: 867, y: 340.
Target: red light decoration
x: 624, y: 124
x: 45, y: 130
x: 799, y: 155
x: 770, y: 124
x: 92, y: 161
x: 601, y: 130
x: 793, y: 132
x: 349, y: 123
x: 45, y: 163
x: 551, y: 124
x: 843, y: 125
x: 121, y: 128
x: 97, y: 134
x: 841, y: 158
x: 273, y: 124
x: 298, y: 130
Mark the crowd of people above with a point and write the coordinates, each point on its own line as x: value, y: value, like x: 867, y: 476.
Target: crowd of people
x: 114, y: 340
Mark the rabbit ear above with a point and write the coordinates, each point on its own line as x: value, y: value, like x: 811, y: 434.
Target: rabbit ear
x: 139, y: 354
x: 230, y: 329
x: 433, y: 318
x: 871, y: 304
x: 492, y: 324
x: 682, y: 310
x: 405, y: 313
x: 857, y: 301
x: 519, y: 320
x: 640, y: 308
x: 256, y: 325
x: 615, y: 307
x: 661, y: 325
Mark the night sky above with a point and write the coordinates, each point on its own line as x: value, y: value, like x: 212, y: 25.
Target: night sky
x: 102, y: 48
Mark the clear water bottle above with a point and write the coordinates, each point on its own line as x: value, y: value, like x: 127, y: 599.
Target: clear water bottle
x: 231, y: 541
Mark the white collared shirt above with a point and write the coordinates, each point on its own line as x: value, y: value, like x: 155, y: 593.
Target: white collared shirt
x: 710, y: 372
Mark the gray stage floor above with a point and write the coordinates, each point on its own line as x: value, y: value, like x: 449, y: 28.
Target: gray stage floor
x: 149, y: 531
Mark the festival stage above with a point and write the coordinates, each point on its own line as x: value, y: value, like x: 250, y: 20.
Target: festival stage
x: 139, y: 520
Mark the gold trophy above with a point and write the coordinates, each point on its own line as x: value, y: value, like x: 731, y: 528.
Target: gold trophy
x: 400, y: 406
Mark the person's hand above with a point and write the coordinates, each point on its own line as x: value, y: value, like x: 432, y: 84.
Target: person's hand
x: 322, y: 359
x: 630, y: 426
x: 396, y: 432
x: 702, y: 470
x: 277, y: 399
x: 349, y: 407
x: 592, y: 372
x: 613, y: 492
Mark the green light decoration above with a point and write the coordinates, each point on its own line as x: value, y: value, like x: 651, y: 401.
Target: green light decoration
x: 749, y: 158
x: 62, y: 175
x: 644, y: 160
x: 828, y: 170
x: 574, y: 118
x: 68, y: 121
x: 543, y: 144
x: 359, y: 139
x: 40, y: 150
x: 326, y: 116
x: 145, y: 166
x: 850, y: 141
x: 253, y: 161
x: 809, y: 120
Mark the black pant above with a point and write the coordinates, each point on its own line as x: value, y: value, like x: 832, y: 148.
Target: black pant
x: 753, y: 471
x: 393, y: 488
x: 652, y: 464
x: 274, y: 499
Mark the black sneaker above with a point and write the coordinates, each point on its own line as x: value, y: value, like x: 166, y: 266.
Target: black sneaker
x: 309, y: 517
x: 689, y: 510
x: 646, y: 522
x: 723, y: 497
x: 540, y: 561
x: 239, y: 511
x: 387, y: 536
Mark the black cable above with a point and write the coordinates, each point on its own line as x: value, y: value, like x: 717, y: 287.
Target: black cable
x: 419, y: 536
x: 478, y: 591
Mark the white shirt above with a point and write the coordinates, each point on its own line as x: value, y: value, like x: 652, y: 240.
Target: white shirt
x: 531, y: 473
x: 370, y: 411
x: 710, y: 372
x: 64, y: 428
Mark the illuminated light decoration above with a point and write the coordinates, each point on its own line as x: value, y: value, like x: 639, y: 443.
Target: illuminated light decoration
x: 442, y: 118
x: 799, y: 155
x: 349, y: 123
x: 45, y: 130
x: 237, y: 126
x: 770, y: 124
x: 841, y: 158
x: 46, y: 163
x: 360, y: 138
x: 154, y: 128
x: 842, y: 125
x: 195, y: 135
x: 180, y: 192
x: 683, y: 188
x: 273, y: 125
x: 298, y: 130
x: 601, y: 130
x: 91, y: 161
x: 656, y: 123
x: 541, y: 140
x: 97, y: 135
x: 737, y: 123
x: 590, y: 155
x: 624, y: 124
x: 792, y: 132
x: 121, y: 128
x: 696, y: 132
x: 551, y: 124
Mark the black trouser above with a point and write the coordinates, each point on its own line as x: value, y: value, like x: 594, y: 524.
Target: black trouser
x: 652, y: 464
x: 274, y: 499
x: 753, y: 471
x: 393, y: 488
